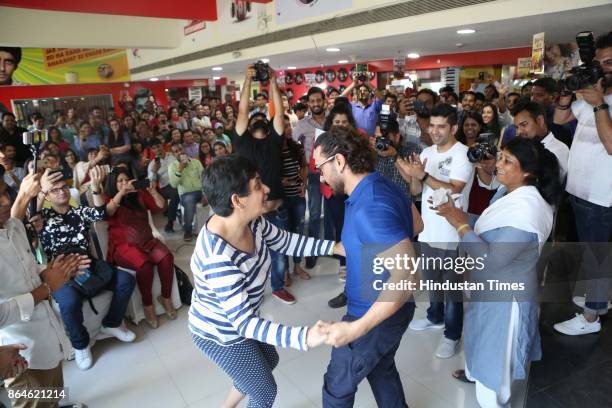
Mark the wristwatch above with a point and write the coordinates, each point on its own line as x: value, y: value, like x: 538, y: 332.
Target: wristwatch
x: 603, y: 106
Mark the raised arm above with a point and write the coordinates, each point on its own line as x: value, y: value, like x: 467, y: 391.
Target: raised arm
x: 242, y: 122
x: 278, y: 121
x: 289, y: 243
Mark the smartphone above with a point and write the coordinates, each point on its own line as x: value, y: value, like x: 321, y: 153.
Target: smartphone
x: 142, y: 184
x: 385, y: 110
x: 184, y: 159
x: 82, y: 277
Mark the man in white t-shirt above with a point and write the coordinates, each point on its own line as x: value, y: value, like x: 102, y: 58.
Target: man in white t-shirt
x: 530, y: 123
x: 589, y: 183
x: 443, y: 165
x: 201, y: 120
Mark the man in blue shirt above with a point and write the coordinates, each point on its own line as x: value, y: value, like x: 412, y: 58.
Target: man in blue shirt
x: 365, y: 110
x: 377, y: 226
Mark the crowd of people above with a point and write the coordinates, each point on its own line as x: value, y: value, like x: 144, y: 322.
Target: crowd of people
x: 457, y: 174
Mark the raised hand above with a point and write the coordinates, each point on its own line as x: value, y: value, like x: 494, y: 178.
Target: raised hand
x: 317, y: 334
x: 30, y: 185
x: 48, y: 179
x: 97, y: 175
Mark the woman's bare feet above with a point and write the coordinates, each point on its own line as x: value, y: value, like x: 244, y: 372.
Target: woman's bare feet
x: 297, y: 269
x: 233, y: 398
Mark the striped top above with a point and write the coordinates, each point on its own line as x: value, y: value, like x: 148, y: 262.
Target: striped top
x: 291, y: 172
x: 230, y: 283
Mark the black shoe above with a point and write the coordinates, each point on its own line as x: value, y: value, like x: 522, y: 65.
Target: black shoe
x: 188, y: 237
x: 311, y: 261
x: 338, y: 301
x: 169, y: 228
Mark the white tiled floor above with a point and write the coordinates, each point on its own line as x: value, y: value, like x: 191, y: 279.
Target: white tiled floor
x: 163, y: 368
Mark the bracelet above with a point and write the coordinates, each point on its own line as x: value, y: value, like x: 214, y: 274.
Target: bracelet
x: 48, y: 289
x: 461, y: 227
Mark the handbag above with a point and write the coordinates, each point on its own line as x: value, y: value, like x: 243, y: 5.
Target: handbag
x: 185, y: 287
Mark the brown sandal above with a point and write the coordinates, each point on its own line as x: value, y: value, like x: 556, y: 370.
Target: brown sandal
x: 301, y: 273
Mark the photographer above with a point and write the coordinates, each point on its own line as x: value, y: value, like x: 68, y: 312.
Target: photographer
x: 261, y: 142
x: 185, y: 175
x: 588, y: 183
x: 388, y: 147
x: 65, y: 231
x: 365, y: 110
x: 414, y: 129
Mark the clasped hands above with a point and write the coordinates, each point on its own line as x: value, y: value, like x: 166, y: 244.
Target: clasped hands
x: 335, y: 334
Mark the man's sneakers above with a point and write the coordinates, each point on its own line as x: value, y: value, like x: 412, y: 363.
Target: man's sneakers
x: 447, y: 348
x: 83, y: 358
x: 338, y: 301
x: 577, y: 326
x: 284, y: 296
x: 424, y: 324
x: 121, y: 333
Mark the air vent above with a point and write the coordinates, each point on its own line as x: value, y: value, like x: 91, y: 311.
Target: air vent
x: 396, y: 11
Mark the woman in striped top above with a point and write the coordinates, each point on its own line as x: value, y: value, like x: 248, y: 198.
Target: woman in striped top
x: 231, y: 267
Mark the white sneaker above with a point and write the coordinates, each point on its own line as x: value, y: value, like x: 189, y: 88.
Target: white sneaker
x: 83, y: 358
x: 342, y: 273
x: 447, y: 348
x: 121, y: 333
x: 424, y: 324
x: 579, y: 301
x: 578, y: 326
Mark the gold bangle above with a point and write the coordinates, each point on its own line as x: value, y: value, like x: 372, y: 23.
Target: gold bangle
x: 462, y: 227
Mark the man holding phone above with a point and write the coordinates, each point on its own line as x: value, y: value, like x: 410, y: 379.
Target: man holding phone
x: 185, y: 174
x: 158, y: 171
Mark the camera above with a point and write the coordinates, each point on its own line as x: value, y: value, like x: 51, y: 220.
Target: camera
x: 589, y: 72
x: 362, y: 72
x: 385, y: 116
x: 261, y: 72
x: 485, y: 144
x: 382, y: 143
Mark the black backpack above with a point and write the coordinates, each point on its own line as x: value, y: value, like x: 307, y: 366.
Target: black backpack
x: 184, y: 286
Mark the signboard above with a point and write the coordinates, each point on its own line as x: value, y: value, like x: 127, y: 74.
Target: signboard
x: 46, y: 66
x: 194, y: 93
x: 398, y: 67
x: 524, y: 67
x: 537, y: 54
x: 193, y: 26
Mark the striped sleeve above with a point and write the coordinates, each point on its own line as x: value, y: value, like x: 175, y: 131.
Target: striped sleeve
x: 292, y: 244
x: 229, y: 286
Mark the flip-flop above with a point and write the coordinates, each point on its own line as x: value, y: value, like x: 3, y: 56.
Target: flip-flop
x: 460, y: 376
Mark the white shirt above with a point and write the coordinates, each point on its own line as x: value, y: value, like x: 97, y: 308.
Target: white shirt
x: 200, y: 123
x: 36, y: 326
x: 450, y: 165
x: 162, y: 173
x: 589, y: 171
x: 559, y: 149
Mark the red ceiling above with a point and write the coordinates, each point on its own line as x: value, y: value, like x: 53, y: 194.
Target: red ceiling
x: 179, y: 9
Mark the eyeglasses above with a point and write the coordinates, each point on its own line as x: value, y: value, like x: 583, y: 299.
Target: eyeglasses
x: 59, y: 189
x: 330, y: 158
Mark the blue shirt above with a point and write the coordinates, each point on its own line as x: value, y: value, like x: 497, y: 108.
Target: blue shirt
x: 377, y: 216
x: 366, y: 117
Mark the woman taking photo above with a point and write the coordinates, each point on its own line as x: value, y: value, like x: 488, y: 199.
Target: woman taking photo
x: 131, y: 243
x: 501, y: 335
x: 231, y: 266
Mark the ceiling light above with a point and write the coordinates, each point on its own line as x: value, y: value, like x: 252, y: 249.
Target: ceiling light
x: 332, y: 49
x: 291, y: 67
x: 413, y: 55
x: 459, y: 45
x: 343, y: 62
x: 166, y: 89
x: 466, y: 31
x: 154, y: 79
x: 216, y: 78
x: 217, y: 68
x: 265, y: 60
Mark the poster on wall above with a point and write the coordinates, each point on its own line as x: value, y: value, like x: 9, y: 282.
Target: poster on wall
x: 524, y: 67
x: 537, y: 54
x: 48, y: 66
x: 290, y: 11
x: 236, y: 17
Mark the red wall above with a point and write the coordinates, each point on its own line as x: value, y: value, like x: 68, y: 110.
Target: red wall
x: 496, y: 57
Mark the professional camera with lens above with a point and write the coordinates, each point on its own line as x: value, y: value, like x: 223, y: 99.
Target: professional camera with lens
x: 384, y: 117
x: 587, y: 73
x: 387, y: 122
x: 382, y: 143
x: 485, y: 144
x: 261, y: 72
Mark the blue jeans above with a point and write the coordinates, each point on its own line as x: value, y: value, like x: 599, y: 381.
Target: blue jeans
x: 334, y: 220
x: 278, y: 263
x: 171, y: 194
x: 189, y: 201
x: 71, y: 307
x: 444, y: 306
x: 594, y: 225
x: 296, y: 209
x: 373, y: 357
x: 314, y: 205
